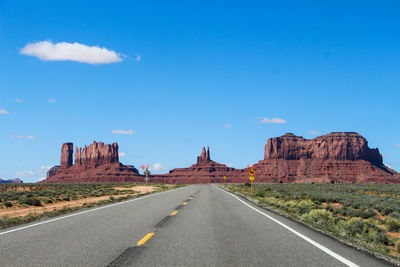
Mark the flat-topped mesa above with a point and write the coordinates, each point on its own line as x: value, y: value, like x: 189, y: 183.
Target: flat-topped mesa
x: 204, y: 158
x: 337, y: 145
x: 67, y: 150
x: 96, y: 154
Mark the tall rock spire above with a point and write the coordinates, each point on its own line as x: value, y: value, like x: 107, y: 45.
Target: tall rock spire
x: 204, y: 158
x: 67, y: 150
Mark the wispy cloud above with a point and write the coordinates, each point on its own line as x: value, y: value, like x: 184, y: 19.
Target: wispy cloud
x: 314, y: 132
x: 122, y: 154
x: 34, y: 175
x: 122, y: 132
x: 51, y: 100
x: 48, y: 51
x: 18, y: 100
x: 158, y: 168
x: 228, y: 125
x: 17, y: 136
x: 138, y: 57
x: 268, y: 120
x: 3, y: 111
x: 398, y: 145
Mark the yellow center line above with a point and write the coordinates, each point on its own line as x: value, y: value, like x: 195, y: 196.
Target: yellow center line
x: 190, y: 197
x: 144, y: 239
x: 184, y: 203
x: 175, y: 212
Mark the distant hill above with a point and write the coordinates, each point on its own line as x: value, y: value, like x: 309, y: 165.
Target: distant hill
x: 11, y: 181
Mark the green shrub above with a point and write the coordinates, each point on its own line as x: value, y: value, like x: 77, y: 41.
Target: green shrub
x: 369, y: 213
x: 32, y: 201
x: 247, y: 184
x: 356, y: 225
x: 8, y: 204
x: 260, y: 194
x: 395, y: 214
x: 290, y: 204
x: 320, y: 217
x: 305, y: 206
x: 392, y: 224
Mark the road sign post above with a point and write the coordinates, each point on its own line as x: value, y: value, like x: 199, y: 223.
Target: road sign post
x: 146, y: 179
x: 251, y: 178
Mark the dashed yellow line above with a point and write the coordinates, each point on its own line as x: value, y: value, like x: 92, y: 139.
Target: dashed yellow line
x: 184, y: 203
x: 144, y: 239
x: 174, y: 213
x: 190, y: 197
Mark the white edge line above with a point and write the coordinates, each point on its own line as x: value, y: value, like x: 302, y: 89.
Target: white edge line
x: 86, y: 211
x: 309, y: 240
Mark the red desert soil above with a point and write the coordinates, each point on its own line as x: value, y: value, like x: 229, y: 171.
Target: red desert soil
x: 336, y: 205
x: 138, y: 188
x: 19, y: 211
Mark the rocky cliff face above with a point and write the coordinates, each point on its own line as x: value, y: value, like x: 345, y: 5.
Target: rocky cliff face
x: 97, y: 162
x: 67, y: 150
x: 335, y: 146
x: 340, y: 156
x: 204, y: 157
x: 96, y: 154
x: 204, y: 171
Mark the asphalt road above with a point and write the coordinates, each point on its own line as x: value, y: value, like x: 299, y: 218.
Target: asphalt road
x: 214, y: 228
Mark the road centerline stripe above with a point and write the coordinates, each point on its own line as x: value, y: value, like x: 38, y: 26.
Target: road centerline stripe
x: 86, y: 211
x: 144, y: 239
x: 174, y: 213
x: 184, y: 203
x: 309, y: 240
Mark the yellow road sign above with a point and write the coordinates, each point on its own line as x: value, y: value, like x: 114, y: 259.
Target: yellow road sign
x: 224, y: 177
x: 251, y: 171
x: 251, y: 178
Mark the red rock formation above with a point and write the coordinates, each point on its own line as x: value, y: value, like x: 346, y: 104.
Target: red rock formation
x: 204, y: 171
x: 96, y: 154
x: 67, y: 150
x: 336, y: 146
x: 95, y: 163
x: 340, y: 156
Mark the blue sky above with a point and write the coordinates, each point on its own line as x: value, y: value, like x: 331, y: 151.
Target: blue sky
x: 181, y: 75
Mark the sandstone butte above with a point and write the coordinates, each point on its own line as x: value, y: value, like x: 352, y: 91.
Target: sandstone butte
x: 338, y: 156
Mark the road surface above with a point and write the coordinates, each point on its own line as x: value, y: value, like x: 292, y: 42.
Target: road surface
x: 198, y: 225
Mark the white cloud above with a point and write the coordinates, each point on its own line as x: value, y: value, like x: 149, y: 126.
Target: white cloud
x: 17, y: 136
x: 122, y: 132
x: 3, y: 111
x: 314, y: 132
x: 138, y: 58
x: 157, y: 168
x: 37, y: 175
x: 19, y: 100
x: 62, y: 51
x: 273, y: 120
x: 51, y: 100
x: 228, y: 125
x: 122, y: 154
x: 398, y: 145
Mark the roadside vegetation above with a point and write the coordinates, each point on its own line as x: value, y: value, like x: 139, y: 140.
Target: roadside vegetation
x: 366, y: 215
x: 22, y: 203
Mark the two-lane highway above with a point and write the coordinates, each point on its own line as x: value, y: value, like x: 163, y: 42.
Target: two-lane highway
x: 198, y: 225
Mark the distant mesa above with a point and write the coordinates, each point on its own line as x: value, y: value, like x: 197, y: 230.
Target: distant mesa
x: 97, y: 162
x: 11, y: 181
x: 338, y: 156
